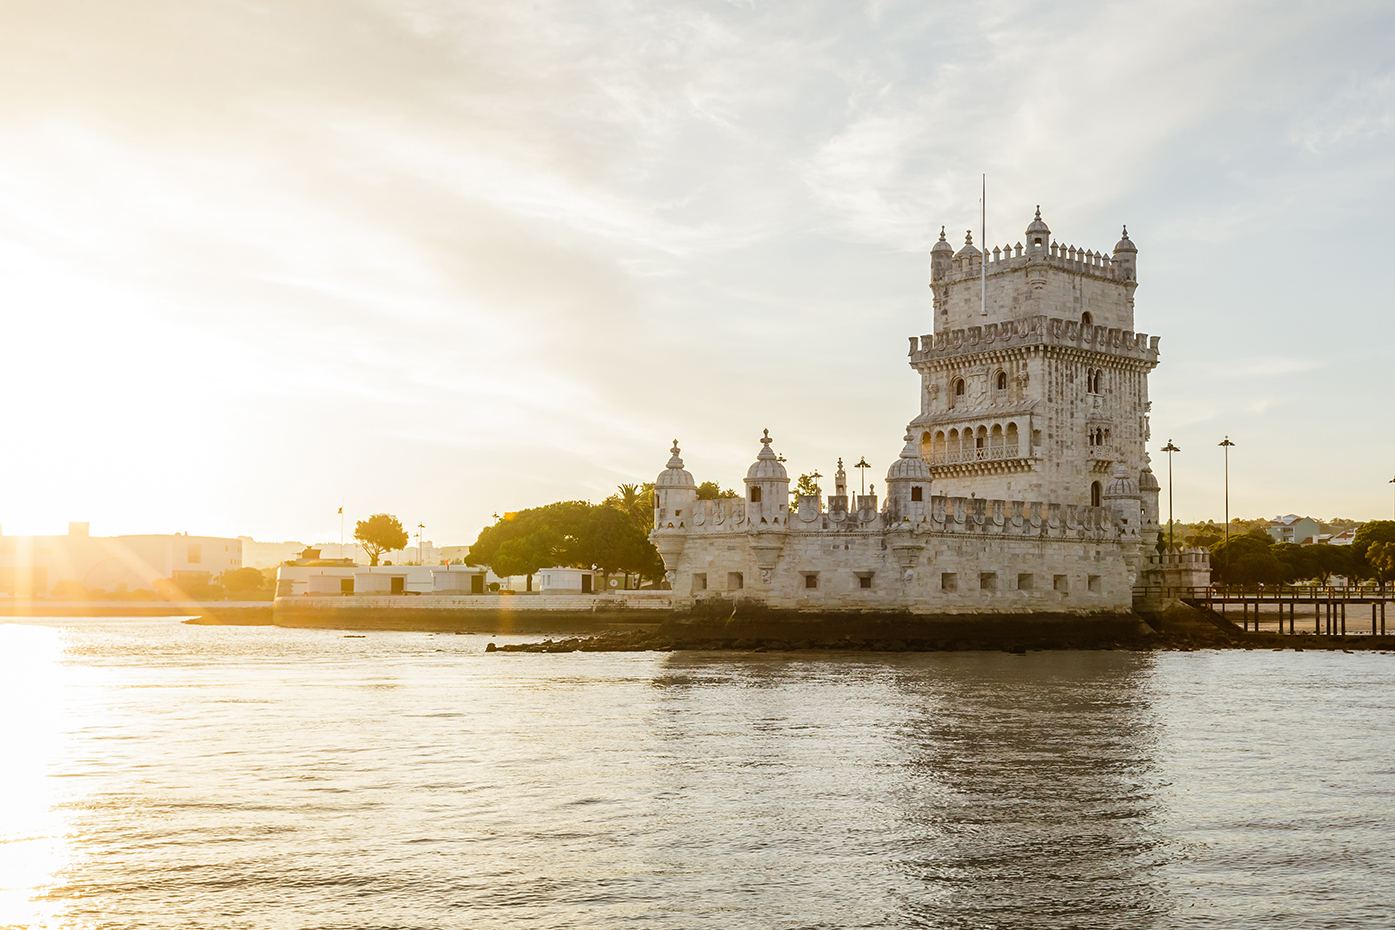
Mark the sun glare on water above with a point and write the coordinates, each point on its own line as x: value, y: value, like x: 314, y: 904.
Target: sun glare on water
x: 35, y: 728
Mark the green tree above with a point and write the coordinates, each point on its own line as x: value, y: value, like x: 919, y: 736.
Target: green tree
x: 1246, y: 559
x: 568, y: 533
x: 636, y: 500
x: 1380, y: 556
x: 1374, y: 531
x: 806, y: 485
x: 711, y: 491
x: 241, y: 580
x: 380, y: 533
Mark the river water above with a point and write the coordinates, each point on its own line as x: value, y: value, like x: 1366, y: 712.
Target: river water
x: 162, y: 775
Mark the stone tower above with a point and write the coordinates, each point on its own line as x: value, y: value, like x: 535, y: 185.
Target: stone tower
x: 1041, y: 389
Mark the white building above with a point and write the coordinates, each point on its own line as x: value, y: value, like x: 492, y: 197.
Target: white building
x: 294, y: 580
x: 36, y: 564
x: 1291, y: 528
x: 1023, y: 485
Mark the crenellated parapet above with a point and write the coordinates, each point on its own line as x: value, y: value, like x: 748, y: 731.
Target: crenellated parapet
x: 1035, y: 330
x: 1010, y: 258
x: 974, y: 516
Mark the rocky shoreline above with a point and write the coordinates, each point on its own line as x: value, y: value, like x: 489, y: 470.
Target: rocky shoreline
x: 1174, y: 641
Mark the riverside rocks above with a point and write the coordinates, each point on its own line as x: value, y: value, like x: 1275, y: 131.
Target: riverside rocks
x: 645, y: 641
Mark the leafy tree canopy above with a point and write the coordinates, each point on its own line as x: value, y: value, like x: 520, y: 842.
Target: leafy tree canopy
x: 1246, y: 559
x: 242, y: 579
x: 567, y: 533
x: 711, y: 491
x: 1372, y: 532
x: 380, y: 533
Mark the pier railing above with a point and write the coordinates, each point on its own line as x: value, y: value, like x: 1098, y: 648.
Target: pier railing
x: 1329, y: 604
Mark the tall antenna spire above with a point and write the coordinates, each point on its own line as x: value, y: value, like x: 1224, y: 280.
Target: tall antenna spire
x: 983, y: 260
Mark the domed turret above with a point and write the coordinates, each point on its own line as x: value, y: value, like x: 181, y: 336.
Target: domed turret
x: 1148, y: 490
x: 674, y: 494
x: 908, y: 484
x: 1121, y: 485
x: 941, y: 257
x: 1121, y: 496
x: 674, y: 475
x: 1038, y: 233
x: 767, y: 486
x: 1126, y: 256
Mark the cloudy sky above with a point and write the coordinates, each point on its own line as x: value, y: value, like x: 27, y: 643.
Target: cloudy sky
x: 259, y: 259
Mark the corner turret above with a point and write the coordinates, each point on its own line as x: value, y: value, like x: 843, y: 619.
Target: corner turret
x: 907, y: 484
x: 1126, y: 256
x: 674, y: 494
x: 941, y: 258
x: 1038, y: 236
x: 767, y: 486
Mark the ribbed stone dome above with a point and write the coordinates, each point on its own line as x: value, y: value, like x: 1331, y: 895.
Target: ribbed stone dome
x: 767, y: 465
x: 1147, y: 481
x: 1125, y: 244
x: 1038, y: 227
x: 910, y: 466
x: 1121, y: 485
x: 675, y: 475
x: 942, y: 245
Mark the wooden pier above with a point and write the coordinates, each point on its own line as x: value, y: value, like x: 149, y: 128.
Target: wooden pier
x: 1322, y: 606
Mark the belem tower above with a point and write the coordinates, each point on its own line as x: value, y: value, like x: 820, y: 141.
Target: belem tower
x: 1024, y: 485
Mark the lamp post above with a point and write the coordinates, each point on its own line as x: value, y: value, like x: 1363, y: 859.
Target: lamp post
x: 420, y: 527
x: 1392, y: 481
x: 863, y: 465
x: 1169, y: 449
x: 1226, y: 444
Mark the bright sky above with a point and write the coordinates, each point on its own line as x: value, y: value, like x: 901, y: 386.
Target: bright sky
x: 446, y: 259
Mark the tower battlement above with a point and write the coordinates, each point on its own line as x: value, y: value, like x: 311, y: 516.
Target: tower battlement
x: 1031, y: 331
x: 1038, y: 277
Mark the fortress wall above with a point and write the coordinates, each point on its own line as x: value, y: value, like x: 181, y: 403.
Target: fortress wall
x: 839, y: 560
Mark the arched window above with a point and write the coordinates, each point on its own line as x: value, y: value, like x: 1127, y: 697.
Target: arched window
x: 1086, y: 319
x: 958, y: 387
x: 1094, y: 493
x: 1002, y: 381
x: 755, y: 494
x: 916, y: 492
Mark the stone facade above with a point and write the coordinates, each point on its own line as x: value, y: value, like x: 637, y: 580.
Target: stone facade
x: 1032, y: 429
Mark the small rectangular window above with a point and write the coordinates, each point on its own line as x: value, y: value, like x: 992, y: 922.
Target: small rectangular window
x: 755, y: 495
x: 1060, y: 582
x: 1024, y: 581
x: 735, y: 581
x: 346, y: 586
x: 699, y: 581
x: 988, y: 581
x: 916, y: 493
x: 949, y: 581
x: 864, y: 579
x: 811, y: 580
x: 1093, y: 583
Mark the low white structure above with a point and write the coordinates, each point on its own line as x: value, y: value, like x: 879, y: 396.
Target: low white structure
x: 31, y: 565
x: 328, y: 580
x: 567, y: 581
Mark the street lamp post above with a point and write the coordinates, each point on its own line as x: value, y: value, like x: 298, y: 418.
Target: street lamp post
x: 1226, y: 444
x: 420, y: 527
x: 1392, y: 481
x: 1169, y: 449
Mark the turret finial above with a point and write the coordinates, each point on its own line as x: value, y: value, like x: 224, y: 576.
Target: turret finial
x: 942, y: 234
x: 674, y: 450
x: 767, y: 440
x: 1126, y: 231
x: 968, y: 237
x: 1038, y: 211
